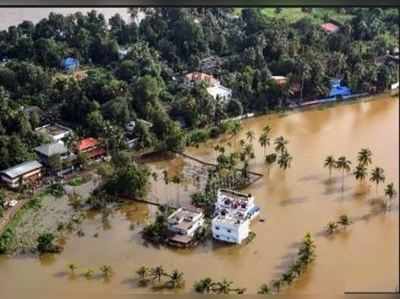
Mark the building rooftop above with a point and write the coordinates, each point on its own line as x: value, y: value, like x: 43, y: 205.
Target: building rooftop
x: 53, y: 130
x: 87, y: 143
x: 329, y: 27
x: 48, y: 150
x: 234, y: 194
x: 21, y: 169
x: 197, y: 76
x: 184, y: 214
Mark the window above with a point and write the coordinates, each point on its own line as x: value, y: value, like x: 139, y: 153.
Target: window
x: 228, y: 230
x: 217, y: 236
x: 217, y: 227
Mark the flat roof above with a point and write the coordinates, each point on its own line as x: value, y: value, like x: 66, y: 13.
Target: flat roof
x: 51, y: 149
x: 53, y: 130
x: 234, y: 194
x: 21, y: 169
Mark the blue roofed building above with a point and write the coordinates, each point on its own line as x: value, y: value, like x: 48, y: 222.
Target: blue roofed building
x: 70, y: 64
x: 338, y: 90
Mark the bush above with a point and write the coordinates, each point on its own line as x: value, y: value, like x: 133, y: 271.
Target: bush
x: 5, y: 240
x: 57, y: 190
x: 45, y: 244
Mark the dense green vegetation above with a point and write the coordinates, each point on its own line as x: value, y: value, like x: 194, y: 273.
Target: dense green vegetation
x: 146, y: 83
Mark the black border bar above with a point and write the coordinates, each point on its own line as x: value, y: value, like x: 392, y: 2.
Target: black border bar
x: 187, y: 3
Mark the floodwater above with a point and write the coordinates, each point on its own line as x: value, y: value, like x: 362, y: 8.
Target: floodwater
x: 365, y: 257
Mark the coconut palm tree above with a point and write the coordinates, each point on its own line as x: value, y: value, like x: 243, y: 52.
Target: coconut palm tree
x: 177, y: 179
x: 236, y: 127
x: 332, y: 227
x: 330, y: 162
x: 266, y: 129
x: 72, y: 267
x: 264, y: 141
x: 176, y: 279
x: 143, y: 273
x: 364, y: 157
x: 390, y: 192
x: 242, y: 142
x: 166, y: 181
x: 360, y: 173
x: 270, y: 160
x: 288, y: 277
x: 344, y: 220
x: 280, y: 144
x: 277, y: 284
x: 107, y: 271
x: 89, y: 273
x: 250, y: 136
x: 377, y: 176
x: 223, y: 287
x: 204, y: 286
x: 157, y: 273
x: 344, y: 165
x: 284, y: 160
x: 264, y: 289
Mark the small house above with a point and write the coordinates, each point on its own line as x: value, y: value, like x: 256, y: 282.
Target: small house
x: 279, y: 80
x: 220, y: 92
x: 70, y: 64
x: 92, y: 147
x: 183, y: 224
x: 29, y: 172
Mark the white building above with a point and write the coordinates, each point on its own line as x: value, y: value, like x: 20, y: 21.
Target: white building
x: 55, y: 132
x: 221, y: 92
x: 233, y: 214
x: 183, y: 224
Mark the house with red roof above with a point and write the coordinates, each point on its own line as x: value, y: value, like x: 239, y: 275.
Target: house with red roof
x: 92, y: 147
x: 198, y: 76
x: 329, y: 27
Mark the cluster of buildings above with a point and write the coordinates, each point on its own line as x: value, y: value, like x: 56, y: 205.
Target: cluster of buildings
x: 32, y: 172
x: 233, y: 214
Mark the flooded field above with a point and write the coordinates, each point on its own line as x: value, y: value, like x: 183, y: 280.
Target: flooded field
x: 293, y: 202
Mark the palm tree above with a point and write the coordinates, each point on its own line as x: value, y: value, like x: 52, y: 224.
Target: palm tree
x: 107, y: 271
x: 157, y: 273
x: 250, y: 136
x: 277, y: 285
x: 154, y: 175
x: 270, y: 160
x: 264, y: 289
x: 224, y: 287
x: 236, y: 129
x: 264, y: 141
x: 364, y: 157
x: 266, y: 129
x: 143, y: 273
x: 360, y: 173
x: 288, y: 277
x: 390, y: 192
x: 177, y: 179
x: 285, y: 160
x: 72, y: 267
x: 343, y: 164
x: 332, y: 227
x: 166, y: 181
x: 89, y: 273
x: 330, y: 162
x: 344, y: 220
x: 176, y: 279
x: 280, y: 144
x: 377, y: 176
x: 204, y: 286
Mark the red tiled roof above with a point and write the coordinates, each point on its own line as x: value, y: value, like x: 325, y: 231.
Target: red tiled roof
x: 197, y: 76
x: 87, y: 143
x: 329, y: 27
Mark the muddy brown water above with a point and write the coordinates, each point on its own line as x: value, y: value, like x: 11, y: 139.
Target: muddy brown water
x: 363, y: 258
